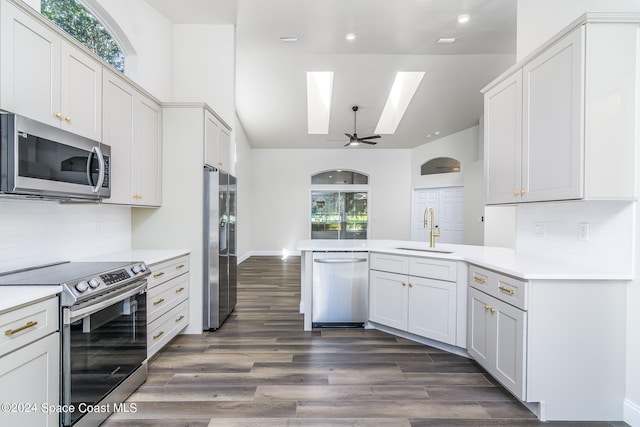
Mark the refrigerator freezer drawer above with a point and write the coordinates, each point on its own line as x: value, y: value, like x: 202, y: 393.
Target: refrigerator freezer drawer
x: 340, y: 289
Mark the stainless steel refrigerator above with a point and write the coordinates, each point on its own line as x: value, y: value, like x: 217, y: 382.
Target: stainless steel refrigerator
x: 220, y: 257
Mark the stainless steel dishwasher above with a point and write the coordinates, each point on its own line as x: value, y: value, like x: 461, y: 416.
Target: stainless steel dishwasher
x: 340, y: 289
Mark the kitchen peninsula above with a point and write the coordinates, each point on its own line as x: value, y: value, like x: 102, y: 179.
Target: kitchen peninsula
x: 510, y: 312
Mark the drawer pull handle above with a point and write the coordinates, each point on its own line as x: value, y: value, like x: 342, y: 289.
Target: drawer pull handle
x: 179, y: 319
x: 506, y: 290
x: 179, y: 266
x: 155, y: 276
x: 493, y: 310
x: 479, y: 279
x: 160, y: 301
x: 179, y: 290
x: 155, y: 337
x: 10, y: 332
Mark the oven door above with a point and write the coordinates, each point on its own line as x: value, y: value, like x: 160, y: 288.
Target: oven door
x: 45, y: 161
x: 102, y: 344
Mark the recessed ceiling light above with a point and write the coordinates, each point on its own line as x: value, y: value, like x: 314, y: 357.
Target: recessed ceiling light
x: 288, y: 39
x: 429, y: 136
x: 319, y: 89
x: 404, y: 87
x: 351, y: 36
x: 446, y: 40
x: 436, y: 133
x: 463, y: 19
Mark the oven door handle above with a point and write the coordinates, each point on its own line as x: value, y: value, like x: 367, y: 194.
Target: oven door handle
x: 71, y: 316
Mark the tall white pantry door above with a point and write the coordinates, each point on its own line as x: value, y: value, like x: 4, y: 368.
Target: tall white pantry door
x: 447, y: 203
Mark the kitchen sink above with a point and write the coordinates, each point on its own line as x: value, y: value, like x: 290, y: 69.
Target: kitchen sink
x: 439, y: 251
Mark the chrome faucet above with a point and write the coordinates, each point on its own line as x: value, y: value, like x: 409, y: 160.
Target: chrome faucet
x: 434, y: 231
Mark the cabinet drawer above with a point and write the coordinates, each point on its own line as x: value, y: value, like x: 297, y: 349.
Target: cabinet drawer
x: 433, y: 268
x: 27, y: 324
x: 163, y: 329
x: 165, y: 296
x: 166, y: 270
x: 505, y: 288
x: 390, y: 263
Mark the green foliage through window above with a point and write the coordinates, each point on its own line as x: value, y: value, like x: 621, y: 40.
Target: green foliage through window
x: 73, y: 18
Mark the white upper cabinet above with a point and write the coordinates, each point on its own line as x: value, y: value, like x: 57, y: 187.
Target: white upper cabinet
x: 561, y: 124
x: 217, y: 145
x: 132, y: 128
x: 552, y: 122
x: 46, y: 78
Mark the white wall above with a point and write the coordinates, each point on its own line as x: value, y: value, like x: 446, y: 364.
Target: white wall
x: 281, y: 185
x: 245, y: 191
x: 150, y: 34
x: 537, y: 21
x: 33, y: 232
x: 204, y: 67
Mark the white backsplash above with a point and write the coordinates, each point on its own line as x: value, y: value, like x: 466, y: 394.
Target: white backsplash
x: 34, y: 232
x: 610, y: 240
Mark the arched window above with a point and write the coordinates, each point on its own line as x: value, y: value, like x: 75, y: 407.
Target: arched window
x: 339, y: 205
x: 339, y: 177
x: 440, y: 165
x: 82, y: 25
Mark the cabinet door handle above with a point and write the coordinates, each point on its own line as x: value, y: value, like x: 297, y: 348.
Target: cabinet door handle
x: 59, y: 115
x: 179, y: 290
x: 410, y: 285
x: 516, y: 192
x: 67, y: 119
x: 10, y: 332
x: 404, y: 284
x: 493, y: 310
x: 155, y: 337
x: 486, y: 307
x: 179, y: 319
x: 160, y: 301
x: 506, y: 290
x: 479, y: 279
x: 522, y: 192
x: 155, y: 276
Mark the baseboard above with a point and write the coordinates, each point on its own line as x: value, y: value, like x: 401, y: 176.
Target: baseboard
x: 631, y: 413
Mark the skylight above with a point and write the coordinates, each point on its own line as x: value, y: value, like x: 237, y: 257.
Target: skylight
x: 402, y: 91
x: 319, y: 88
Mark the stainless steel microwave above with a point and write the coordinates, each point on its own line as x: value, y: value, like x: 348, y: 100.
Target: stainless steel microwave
x: 44, y: 161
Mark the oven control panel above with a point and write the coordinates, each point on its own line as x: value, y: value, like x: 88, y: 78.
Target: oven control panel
x: 102, y: 282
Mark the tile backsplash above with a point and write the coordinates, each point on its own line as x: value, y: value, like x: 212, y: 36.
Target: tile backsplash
x: 557, y: 231
x: 36, y: 232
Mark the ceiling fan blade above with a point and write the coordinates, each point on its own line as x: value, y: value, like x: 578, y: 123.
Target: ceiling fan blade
x: 347, y: 144
x: 368, y: 142
x: 350, y: 136
x: 370, y: 137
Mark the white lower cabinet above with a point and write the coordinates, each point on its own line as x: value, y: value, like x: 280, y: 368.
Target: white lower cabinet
x: 423, y: 306
x: 167, y: 302
x: 496, y: 339
x: 30, y: 365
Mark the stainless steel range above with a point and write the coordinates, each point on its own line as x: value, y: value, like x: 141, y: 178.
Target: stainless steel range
x: 103, y: 318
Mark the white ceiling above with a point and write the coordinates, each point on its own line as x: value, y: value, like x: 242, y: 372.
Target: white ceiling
x: 393, y: 35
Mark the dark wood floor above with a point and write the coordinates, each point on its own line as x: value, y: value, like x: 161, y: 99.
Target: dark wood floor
x: 261, y: 369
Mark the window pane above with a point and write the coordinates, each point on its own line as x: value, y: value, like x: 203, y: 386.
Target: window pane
x: 440, y: 165
x: 339, y: 215
x: 73, y: 18
x: 339, y: 177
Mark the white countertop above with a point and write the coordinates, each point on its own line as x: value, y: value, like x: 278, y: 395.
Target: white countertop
x: 504, y: 260
x: 14, y: 296
x: 149, y: 256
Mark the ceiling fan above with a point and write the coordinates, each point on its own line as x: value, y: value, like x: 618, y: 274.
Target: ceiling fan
x: 355, y: 139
